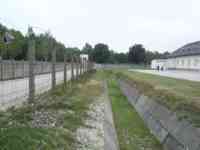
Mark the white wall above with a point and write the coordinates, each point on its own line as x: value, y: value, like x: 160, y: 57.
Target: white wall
x: 184, y: 62
x: 158, y: 62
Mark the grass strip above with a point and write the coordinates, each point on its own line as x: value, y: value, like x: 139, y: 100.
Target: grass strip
x: 180, y: 96
x: 67, y: 105
x: 131, y: 130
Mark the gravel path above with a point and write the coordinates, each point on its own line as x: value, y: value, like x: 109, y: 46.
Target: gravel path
x: 178, y: 74
x: 98, y: 132
x: 91, y: 136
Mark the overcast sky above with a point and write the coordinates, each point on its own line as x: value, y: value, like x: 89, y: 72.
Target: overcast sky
x: 162, y: 25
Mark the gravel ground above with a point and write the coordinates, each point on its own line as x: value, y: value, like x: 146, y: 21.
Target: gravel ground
x: 91, y: 136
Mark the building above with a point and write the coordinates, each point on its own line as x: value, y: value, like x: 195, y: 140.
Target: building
x: 84, y: 57
x: 184, y: 58
x: 158, y: 64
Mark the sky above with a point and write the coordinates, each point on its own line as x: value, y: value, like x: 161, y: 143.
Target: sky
x: 160, y: 25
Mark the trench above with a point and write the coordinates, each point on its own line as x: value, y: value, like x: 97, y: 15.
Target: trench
x: 172, y: 133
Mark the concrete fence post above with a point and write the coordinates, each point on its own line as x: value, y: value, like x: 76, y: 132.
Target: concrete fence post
x: 53, y: 69
x: 81, y: 66
x: 65, y: 69
x: 13, y: 68
x: 86, y: 68
x: 84, y: 65
x: 1, y: 69
x: 23, y: 69
x: 31, y: 57
x: 72, y: 67
x: 77, y: 68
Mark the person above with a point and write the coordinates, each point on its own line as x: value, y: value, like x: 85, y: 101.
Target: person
x: 158, y: 68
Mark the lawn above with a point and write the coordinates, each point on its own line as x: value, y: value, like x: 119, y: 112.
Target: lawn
x: 131, y: 130
x: 51, y: 121
x: 180, y: 96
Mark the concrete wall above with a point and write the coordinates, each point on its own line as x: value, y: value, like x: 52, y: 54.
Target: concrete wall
x: 20, y: 69
x: 164, y: 124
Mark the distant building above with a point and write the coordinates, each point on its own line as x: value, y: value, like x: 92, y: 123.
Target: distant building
x: 184, y: 58
x: 84, y: 57
x: 158, y: 64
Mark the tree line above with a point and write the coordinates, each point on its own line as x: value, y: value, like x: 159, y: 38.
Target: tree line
x: 100, y: 53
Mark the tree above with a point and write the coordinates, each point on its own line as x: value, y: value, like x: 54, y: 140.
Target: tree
x: 121, y: 57
x: 101, y: 53
x: 87, y: 49
x: 136, y: 54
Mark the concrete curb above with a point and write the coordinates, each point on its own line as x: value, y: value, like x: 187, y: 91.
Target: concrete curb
x: 110, y: 136
x: 164, y: 124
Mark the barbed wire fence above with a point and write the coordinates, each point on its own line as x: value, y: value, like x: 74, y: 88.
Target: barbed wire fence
x: 22, y: 81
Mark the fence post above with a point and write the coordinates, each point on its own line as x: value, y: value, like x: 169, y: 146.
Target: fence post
x: 53, y: 70
x: 65, y: 69
x: 13, y: 68
x: 1, y: 69
x: 31, y: 57
x: 77, y: 68
x: 72, y: 67
x: 80, y: 60
x: 84, y: 65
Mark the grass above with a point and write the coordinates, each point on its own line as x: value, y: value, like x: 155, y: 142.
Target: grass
x: 180, y: 96
x: 69, y: 106
x: 131, y: 130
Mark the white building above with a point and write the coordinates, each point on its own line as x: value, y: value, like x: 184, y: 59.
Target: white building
x: 185, y: 58
x: 84, y: 57
x: 159, y: 64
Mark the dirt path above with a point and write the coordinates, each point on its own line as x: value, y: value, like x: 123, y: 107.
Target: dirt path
x: 99, y: 132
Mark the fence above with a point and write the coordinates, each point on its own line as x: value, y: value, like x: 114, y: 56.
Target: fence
x: 18, y: 85
x: 23, y: 80
x: 11, y: 69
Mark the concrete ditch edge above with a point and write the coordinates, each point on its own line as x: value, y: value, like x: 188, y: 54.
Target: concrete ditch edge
x: 110, y: 135
x: 164, y: 124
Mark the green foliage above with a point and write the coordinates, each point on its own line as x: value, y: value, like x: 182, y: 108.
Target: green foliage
x: 136, y: 54
x: 101, y: 53
x: 131, y: 130
x: 69, y: 105
x: 180, y: 96
x: 18, y: 48
x: 87, y: 49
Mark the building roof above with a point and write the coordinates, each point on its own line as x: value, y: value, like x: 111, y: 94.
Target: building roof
x: 187, y: 50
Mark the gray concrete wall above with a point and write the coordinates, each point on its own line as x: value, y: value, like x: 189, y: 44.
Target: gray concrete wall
x: 20, y: 69
x: 164, y: 124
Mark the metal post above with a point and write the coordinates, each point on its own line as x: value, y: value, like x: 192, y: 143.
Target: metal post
x: 31, y: 56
